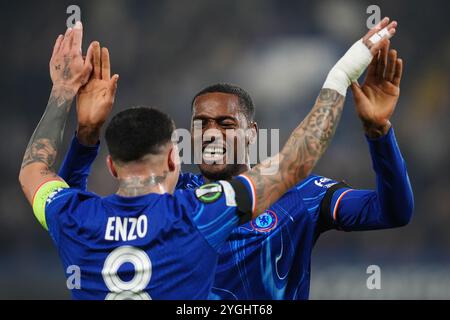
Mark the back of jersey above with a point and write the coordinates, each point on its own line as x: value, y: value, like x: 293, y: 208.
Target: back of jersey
x: 148, y: 247
x: 132, y: 248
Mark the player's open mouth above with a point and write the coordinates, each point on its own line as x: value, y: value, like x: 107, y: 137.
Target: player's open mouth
x: 213, y: 153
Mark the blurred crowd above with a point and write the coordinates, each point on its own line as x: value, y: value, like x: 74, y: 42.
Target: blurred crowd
x: 280, y: 51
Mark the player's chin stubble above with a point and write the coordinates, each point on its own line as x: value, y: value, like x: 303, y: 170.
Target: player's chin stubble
x: 214, y: 172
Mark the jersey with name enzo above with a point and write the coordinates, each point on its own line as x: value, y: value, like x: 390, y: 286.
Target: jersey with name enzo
x: 270, y: 257
x: 148, y: 247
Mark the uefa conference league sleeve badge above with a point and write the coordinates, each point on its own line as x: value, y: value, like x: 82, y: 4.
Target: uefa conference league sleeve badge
x: 209, y: 193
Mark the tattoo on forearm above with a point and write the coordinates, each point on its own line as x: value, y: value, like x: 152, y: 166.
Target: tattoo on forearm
x: 136, y: 186
x: 303, y: 149
x: 46, y: 140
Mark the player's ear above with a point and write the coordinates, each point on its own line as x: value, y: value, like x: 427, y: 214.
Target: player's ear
x: 171, y: 159
x: 111, y: 166
x: 252, y: 132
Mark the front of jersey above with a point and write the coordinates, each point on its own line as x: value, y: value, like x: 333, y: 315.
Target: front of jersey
x: 270, y: 257
x: 148, y: 247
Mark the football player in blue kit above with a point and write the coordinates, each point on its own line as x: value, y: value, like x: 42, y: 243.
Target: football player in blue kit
x: 270, y: 256
x: 147, y: 240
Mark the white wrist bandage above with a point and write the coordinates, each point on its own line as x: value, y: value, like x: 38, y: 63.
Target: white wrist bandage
x: 349, y: 68
x: 352, y: 65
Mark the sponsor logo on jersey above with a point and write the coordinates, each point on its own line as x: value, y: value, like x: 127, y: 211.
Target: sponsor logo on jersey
x: 324, y: 183
x: 209, y: 193
x: 265, y: 222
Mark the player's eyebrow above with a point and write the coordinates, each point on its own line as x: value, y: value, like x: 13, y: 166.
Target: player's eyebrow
x: 219, y: 118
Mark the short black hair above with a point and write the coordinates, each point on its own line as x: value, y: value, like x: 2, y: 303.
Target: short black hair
x: 138, y: 131
x: 245, y: 100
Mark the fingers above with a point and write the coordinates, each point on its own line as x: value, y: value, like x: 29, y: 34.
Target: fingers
x: 77, y: 38
x: 374, y: 49
x: 392, y: 27
x: 58, y: 43
x: 88, y: 60
x: 66, y: 42
x: 383, y: 30
x: 97, y: 60
x: 390, y: 69
x: 356, y: 90
x: 113, y: 85
x: 398, y: 72
x: 382, y: 59
x: 372, y: 68
x: 90, y: 54
x: 383, y: 23
x: 106, y: 65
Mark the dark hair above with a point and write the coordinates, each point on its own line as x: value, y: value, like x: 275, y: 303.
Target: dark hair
x: 136, y: 132
x: 245, y: 100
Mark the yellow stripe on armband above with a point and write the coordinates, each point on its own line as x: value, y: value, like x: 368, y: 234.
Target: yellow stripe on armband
x: 44, y: 193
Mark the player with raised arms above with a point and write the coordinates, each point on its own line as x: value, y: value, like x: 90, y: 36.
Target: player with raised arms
x: 269, y: 257
x: 148, y: 240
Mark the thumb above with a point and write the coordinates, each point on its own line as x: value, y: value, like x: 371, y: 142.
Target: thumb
x: 356, y: 90
x: 88, y: 60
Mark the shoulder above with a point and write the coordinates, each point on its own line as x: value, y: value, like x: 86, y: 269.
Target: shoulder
x: 314, y: 185
x: 189, y: 181
x: 69, y: 195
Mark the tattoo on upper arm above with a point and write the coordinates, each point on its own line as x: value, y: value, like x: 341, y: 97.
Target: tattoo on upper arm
x: 304, y: 148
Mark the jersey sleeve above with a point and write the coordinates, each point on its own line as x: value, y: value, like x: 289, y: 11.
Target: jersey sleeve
x: 52, y: 202
x: 389, y: 206
x: 315, y: 192
x: 217, y: 208
x: 77, y: 163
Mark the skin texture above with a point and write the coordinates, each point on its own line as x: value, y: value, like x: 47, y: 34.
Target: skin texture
x: 376, y: 99
x: 301, y: 152
x: 151, y: 174
x: 96, y: 98
x: 222, y: 112
x: 69, y: 72
x: 306, y: 144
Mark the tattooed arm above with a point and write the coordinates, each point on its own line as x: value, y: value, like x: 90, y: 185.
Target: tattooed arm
x: 311, y: 138
x: 69, y: 72
x: 303, y: 149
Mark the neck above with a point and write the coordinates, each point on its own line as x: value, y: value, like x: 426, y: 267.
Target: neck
x: 138, y: 185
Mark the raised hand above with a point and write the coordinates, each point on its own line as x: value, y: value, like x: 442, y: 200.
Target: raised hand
x: 68, y: 70
x: 96, y: 98
x: 376, y: 99
x: 355, y: 61
x: 376, y: 37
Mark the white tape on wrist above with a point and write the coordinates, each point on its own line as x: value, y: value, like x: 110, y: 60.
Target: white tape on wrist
x: 349, y: 68
x: 352, y: 65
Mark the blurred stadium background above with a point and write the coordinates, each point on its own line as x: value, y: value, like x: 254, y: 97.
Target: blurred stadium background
x: 165, y: 51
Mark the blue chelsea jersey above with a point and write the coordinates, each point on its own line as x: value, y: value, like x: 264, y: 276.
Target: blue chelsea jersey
x: 148, y: 247
x: 270, y: 257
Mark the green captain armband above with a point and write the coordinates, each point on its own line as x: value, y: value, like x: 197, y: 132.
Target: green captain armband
x: 44, y: 192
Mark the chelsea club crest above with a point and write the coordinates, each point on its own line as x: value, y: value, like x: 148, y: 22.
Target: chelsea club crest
x: 265, y: 222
